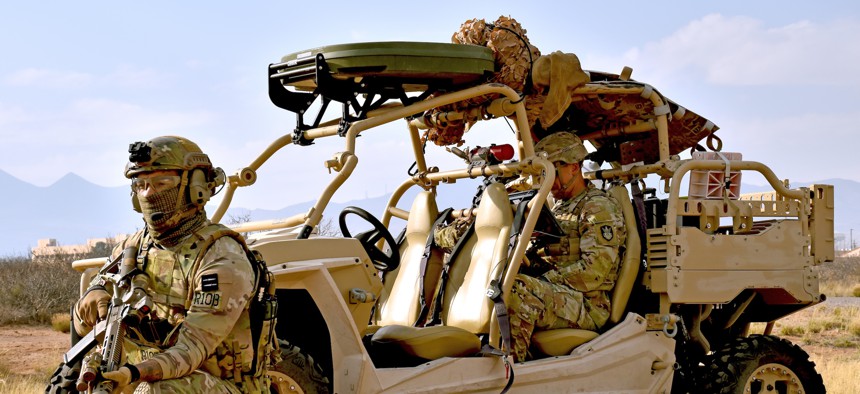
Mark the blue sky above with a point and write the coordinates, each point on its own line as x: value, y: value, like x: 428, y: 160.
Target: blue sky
x: 79, y: 81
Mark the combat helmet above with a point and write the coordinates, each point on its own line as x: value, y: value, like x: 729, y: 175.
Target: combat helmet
x: 165, y: 153
x: 176, y: 153
x: 562, y: 146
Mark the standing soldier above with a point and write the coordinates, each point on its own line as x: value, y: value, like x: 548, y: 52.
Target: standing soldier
x: 582, y: 265
x: 198, y: 338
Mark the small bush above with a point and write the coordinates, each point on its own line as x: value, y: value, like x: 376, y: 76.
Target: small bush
x: 844, y: 343
x: 792, y: 331
x: 815, y: 327
x: 35, y: 289
x: 854, y: 327
x: 838, y: 277
x: 61, y: 322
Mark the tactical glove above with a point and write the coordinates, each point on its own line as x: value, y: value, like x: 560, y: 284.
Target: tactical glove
x: 90, y: 309
x: 123, y: 377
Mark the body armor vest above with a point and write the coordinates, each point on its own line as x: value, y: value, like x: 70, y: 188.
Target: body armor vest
x: 171, y: 273
x: 570, y: 222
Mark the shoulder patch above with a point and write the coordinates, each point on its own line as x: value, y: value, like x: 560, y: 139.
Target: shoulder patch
x: 209, y: 282
x: 207, y: 300
x: 606, y: 232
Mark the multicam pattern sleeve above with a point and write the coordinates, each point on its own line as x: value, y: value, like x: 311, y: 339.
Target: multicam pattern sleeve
x: 600, y: 227
x: 222, y: 289
x: 602, y: 232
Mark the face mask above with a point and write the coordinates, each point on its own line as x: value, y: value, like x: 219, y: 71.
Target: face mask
x: 158, y: 208
x: 166, y: 224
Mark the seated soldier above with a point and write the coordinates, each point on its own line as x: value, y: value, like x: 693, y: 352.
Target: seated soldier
x: 580, y: 267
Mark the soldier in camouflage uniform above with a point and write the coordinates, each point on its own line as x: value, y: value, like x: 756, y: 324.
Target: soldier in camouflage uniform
x: 198, y: 338
x: 446, y: 236
x: 581, y: 267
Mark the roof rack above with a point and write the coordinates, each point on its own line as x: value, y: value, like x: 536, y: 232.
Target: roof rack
x: 364, y: 76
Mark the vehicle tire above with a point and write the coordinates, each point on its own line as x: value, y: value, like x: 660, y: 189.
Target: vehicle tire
x: 63, y: 380
x: 761, y: 364
x: 296, y: 372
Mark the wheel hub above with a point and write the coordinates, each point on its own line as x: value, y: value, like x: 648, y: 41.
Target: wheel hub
x: 773, y: 378
x: 284, y: 383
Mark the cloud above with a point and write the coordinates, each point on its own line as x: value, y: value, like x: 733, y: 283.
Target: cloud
x: 49, y: 78
x: 10, y: 115
x: 804, y: 147
x: 123, y: 75
x: 743, y: 51
x: 133, y: 77
x: 87, y: 137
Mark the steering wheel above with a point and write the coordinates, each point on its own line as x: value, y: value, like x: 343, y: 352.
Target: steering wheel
x: 381, y: 260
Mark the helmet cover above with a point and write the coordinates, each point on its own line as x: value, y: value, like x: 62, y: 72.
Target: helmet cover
x: 562, y: 146
x: 165, y: 153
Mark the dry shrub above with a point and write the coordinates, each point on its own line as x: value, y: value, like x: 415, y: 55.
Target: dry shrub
x: 854, y: 327
x: 16, y: 383
x: 815, y: 327
x: 34, y: 290
x: 839, y: 277
x: 839, y: 373
x: 844, y: 343
x: 792, y: 331
x: 61, y: 322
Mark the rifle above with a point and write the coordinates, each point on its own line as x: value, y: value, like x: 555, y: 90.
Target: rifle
x: 128, y: 306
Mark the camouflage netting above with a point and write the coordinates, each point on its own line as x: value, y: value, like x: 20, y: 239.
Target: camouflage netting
x: 513, y: 58
x: 549, y: 104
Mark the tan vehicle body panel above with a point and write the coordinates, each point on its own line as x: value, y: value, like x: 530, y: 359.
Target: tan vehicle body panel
x: 753, y: 252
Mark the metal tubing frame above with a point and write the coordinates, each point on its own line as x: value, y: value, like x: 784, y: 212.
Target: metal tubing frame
x: 376, y: 118
x: 719, y: 165
x: 665, y: 167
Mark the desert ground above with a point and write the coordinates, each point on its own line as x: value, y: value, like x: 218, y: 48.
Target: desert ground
x: 29, y: 354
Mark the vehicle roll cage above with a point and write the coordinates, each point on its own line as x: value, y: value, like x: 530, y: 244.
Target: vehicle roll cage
x: 376, y: 112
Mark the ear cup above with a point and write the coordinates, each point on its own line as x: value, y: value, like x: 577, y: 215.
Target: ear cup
x: 135, y: 203
x: 198, y: 188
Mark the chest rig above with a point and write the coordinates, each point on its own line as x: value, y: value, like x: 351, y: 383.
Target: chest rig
x: 568, y: 213
x: 171, y: 270
x: 172, y: 273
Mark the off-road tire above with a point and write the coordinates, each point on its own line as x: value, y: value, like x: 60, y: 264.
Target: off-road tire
x: 63, y: 380
x: 297, y: 372
x: 781, y: 365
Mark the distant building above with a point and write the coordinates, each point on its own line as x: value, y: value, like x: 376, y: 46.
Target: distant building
x: 49, y: 246
x: 851, y: 253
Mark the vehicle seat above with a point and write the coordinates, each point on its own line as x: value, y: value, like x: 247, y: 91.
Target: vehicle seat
x: 562, y: 341
x: 466, y: 308
x: 399, y: 302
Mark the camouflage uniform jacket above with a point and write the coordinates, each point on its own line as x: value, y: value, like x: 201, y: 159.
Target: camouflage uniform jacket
x: 204, y: 300
x: 595, y: 229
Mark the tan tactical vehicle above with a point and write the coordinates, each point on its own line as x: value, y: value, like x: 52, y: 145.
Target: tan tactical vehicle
x: 375, y: 313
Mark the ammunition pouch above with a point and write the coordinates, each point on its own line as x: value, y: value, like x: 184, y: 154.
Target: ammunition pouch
x: 155, y: 333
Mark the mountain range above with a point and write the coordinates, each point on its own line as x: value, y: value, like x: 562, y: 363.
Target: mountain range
x: 73, y: 210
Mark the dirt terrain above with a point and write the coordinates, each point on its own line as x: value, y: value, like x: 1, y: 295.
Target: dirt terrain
x: 27, y: 350
x: 36, y: 351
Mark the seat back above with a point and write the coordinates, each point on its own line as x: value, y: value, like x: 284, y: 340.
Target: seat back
x: 481, y: 260
x: 631, y: 259
x: 399, y: 302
